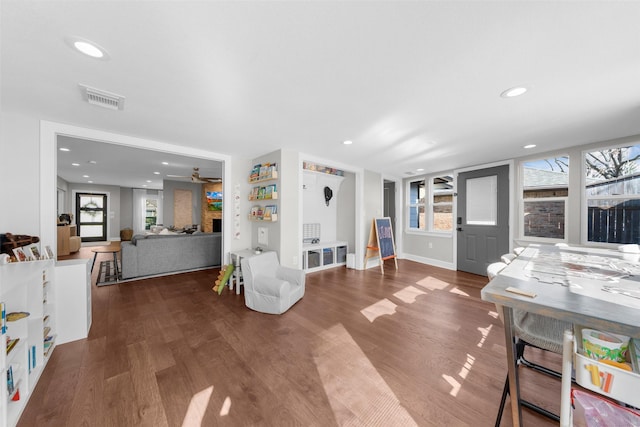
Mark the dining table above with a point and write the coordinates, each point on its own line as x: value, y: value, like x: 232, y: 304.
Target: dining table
x: 591, y: 287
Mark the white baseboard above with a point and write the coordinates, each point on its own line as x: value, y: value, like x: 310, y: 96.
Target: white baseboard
x: 430, y: 261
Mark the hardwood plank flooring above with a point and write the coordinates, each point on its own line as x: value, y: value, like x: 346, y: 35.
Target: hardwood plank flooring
x: 415, y: 346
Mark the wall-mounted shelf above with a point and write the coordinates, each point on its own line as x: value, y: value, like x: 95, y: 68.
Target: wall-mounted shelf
x: 270, y: 177
x: 274, y: 218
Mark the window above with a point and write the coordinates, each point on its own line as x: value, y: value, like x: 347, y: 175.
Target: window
x: 416, y: 205
x: 545, y: 189
x: 612, y: 189
x: 442, y: 206
x: 431, y: 207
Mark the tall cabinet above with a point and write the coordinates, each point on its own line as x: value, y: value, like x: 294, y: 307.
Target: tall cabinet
x: 27, y: 294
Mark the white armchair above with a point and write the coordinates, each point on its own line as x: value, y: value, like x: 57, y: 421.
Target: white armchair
x: 270, y: 287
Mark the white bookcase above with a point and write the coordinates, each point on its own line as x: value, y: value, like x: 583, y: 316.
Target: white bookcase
x: 25, y: 287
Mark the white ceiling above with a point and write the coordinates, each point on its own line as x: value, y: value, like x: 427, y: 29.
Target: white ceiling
x: 412, y: 84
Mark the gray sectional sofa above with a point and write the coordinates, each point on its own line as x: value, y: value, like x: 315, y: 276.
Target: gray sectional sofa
x: 147, y: 255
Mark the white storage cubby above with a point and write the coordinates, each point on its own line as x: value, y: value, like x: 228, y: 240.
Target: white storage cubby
x: 320, y: 256
x: 25, y: 287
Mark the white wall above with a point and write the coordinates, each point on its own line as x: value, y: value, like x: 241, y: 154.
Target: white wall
x: 346, y: 221
x: 289, y: 215
x: 237, y: 211
x: 20, y: 176
x: 373, y: 192
x: 314, y: 207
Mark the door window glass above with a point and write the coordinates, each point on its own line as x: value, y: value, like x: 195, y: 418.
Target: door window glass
x: 482, y: 200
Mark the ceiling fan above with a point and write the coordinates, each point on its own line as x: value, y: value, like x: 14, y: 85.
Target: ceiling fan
x: 196, y: 178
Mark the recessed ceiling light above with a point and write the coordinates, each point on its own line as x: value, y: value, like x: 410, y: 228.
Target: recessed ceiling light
x: 513, y: 92
x: 144, y: 185
x: 64, y: 149
x: 347, y: 142
x: 90, y: 182
x: 87, y: 47
x: 148, y: 180
x: 93, y: 162
x: 75, y: 164
x: 156, y: 173
x: 530, y: 146
x: 85, y: 176
x: 165, y: 163
x: 420, y: 169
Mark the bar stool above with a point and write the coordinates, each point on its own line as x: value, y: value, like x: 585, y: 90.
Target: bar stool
x: 507, y: 258
x: 531, y: 330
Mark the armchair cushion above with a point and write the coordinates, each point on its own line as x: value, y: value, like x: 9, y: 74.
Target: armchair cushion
x: 270, y: 287
x: 267, y: 285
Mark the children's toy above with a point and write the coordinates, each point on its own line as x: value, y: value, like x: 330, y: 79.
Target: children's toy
x: 223, y: 278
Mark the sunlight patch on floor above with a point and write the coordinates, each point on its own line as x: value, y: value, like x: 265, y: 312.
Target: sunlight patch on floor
x: 493, y: 314
x: 459, y: 292
x: 432, y: 283
x: 485, y: 334
x: 455, y: 385
x: 357, y: 393
x: 380, y: 308
x: 226, y: 405
x: 197, y: 408
x: 466, y: 368
x: 464, y: 371
x: 409, y: 294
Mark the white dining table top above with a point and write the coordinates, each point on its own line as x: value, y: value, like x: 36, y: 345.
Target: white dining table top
x: 582, y: 285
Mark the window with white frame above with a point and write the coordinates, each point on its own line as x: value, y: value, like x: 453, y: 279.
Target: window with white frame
x: 442, y: 203
x: 545, y: 190
x: 612, y: 190
x: 430, y: 205
x: 417, y: 192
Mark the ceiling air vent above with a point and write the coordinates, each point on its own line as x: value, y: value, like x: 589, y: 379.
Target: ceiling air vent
x: 102, y: 98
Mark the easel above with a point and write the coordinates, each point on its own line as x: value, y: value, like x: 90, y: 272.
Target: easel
x: 381, y: 242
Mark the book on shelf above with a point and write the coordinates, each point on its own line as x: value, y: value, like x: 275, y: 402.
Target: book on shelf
x: 254, y: 192
x: 255, y: 172
x: 269, y: 190
x: 11, y: 343
x: 261, y: 193
x: 47, y: 347
x: 269, y: 212
x: 10, y: 385
x: 46, y: 331
x: 4, y: 318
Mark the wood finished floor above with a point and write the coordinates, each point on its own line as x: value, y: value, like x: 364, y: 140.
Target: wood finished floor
x: 413, y: 347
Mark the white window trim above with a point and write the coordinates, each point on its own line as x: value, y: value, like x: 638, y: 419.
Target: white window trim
x: 409, y: 205
x: 428, y: 207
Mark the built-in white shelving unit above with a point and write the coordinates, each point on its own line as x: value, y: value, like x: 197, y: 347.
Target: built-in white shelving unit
x: 25, y: 287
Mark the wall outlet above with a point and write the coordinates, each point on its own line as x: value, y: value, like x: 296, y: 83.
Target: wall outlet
x: 430, y: 245
x: 295, y: 260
